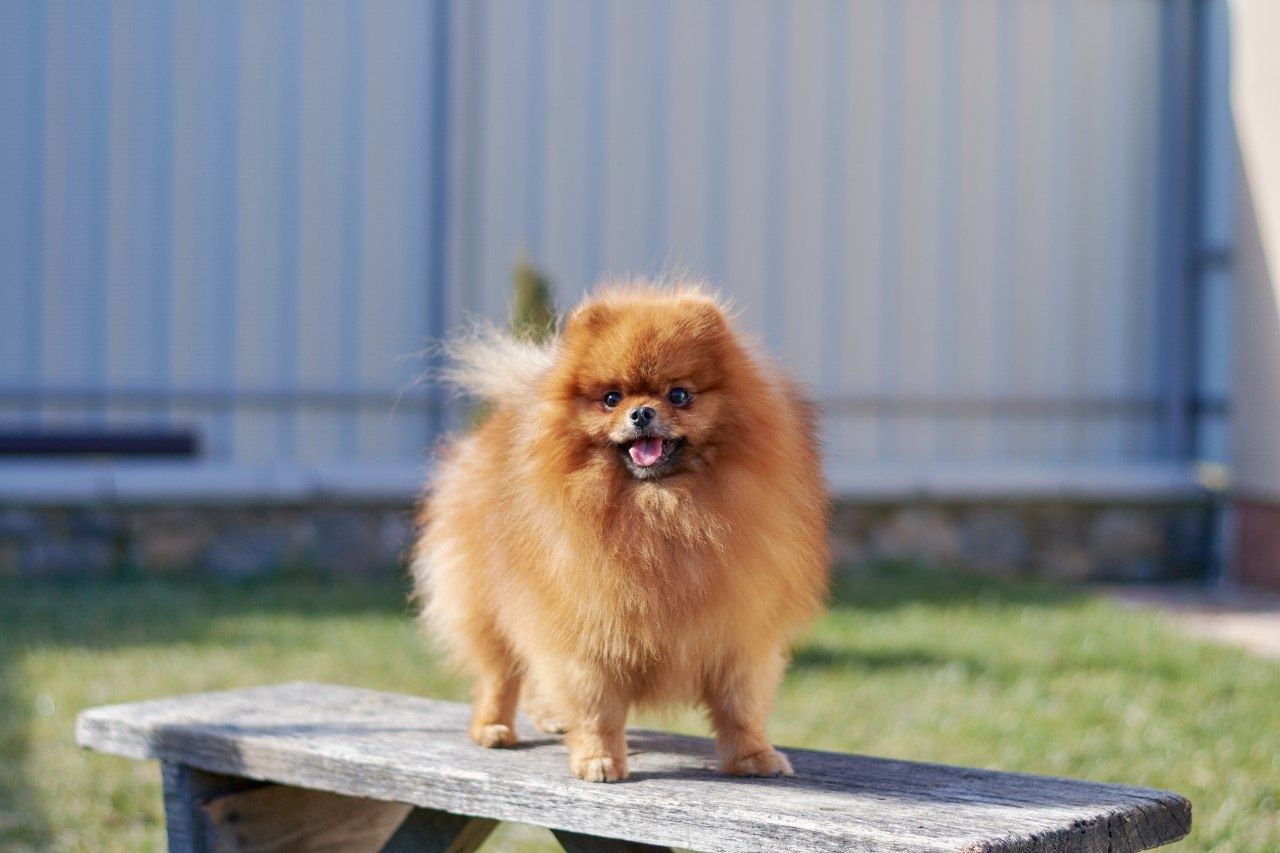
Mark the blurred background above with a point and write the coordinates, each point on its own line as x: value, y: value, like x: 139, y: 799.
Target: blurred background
x: 995, y: 238
x: 1023, y: 252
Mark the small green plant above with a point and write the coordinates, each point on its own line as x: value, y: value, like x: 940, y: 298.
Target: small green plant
x: 533, y: 316
x: 533, y: 307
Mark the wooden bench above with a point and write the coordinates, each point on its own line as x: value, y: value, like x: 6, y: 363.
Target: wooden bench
x: 307, y: 766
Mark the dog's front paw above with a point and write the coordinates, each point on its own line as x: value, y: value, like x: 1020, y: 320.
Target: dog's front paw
x: 598, y: 768
x: 492, y: 735
x: 766, y: 762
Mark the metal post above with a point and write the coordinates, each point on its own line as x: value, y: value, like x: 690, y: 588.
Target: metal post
x: 1174, y: 201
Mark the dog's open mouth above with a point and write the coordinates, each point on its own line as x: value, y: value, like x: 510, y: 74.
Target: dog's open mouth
x: 650, y: 455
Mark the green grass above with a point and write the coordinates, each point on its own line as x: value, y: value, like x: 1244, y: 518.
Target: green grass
x: 907, y: 663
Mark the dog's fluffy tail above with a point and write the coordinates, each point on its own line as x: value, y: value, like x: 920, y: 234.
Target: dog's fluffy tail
x: 491, y: 364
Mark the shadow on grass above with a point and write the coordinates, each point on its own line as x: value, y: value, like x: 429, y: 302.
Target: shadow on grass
x: 891, y: 586
x: 882, y: 588
x: 21, y: 821
x: 819, y: 657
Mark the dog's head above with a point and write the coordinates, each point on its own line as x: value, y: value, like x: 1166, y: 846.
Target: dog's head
x: 651, y: 380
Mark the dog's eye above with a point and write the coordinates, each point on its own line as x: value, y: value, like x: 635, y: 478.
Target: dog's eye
x: 612, y: 399
x: 678, y: 396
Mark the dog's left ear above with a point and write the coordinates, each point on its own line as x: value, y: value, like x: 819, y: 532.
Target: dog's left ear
x: 591, y: 318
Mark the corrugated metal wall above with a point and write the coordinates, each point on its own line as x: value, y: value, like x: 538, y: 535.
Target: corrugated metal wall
x: 220, y: 214
x: 943, y: 213
x: 242, y: 215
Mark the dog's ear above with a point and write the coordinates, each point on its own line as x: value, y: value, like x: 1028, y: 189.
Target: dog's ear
x: 590, y: 318
x: 705, y: 317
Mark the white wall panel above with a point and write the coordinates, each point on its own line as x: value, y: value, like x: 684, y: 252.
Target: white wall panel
x: 239, y: 217
x: 976, y: 237
x: 203, y: 232
x: 992, y: 276
x: 329, y: 233
x: 864, y: 255
x: 398, y: 143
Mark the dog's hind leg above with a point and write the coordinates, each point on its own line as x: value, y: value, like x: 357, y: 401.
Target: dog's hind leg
x: 495, y: 694
x: 493, y: 705
x: 542, y: 710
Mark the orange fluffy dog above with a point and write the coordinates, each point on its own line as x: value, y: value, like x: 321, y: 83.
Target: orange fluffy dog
x: 641, y: 520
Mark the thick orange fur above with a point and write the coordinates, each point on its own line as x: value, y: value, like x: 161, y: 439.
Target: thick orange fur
x: 552, y: 573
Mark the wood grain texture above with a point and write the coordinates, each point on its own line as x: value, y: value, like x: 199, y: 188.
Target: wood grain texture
x: 403, y: 749
x: 185, y: 789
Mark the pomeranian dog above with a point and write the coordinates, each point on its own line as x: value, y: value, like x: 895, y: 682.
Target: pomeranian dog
x: 640, y: 520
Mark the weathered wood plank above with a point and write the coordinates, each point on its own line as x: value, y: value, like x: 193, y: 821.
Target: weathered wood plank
x: 576, y: 842
x: 186, y: 789
x: 399, y: 748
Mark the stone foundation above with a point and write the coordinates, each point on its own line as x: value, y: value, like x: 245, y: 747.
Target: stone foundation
x: 1257, y: 543
x: 220, y: 541
x: 1067, y: 541
x: 1063, y: 541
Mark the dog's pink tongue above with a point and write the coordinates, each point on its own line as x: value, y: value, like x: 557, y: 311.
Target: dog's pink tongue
x: 646, y: 451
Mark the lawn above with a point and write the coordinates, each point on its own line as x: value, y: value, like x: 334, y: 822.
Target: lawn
x: 908, y: 663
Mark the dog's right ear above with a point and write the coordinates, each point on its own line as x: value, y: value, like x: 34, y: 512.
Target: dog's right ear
x: 704, y: 316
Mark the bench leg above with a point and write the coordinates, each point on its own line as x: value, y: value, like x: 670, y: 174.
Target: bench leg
x: 210, y: 811
x: 185, y: 791
x: 205, y: 812
x: 431, y: 831
x: 576, y: 842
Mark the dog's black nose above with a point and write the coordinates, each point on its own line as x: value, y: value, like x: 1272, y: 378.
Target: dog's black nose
x: 641, y: 415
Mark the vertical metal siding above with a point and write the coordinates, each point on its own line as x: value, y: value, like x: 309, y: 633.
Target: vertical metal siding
x: 266, y: 214
x: 215, y: 214
x: 394, y: 218
x: 1216, y: 205
x: 23, y: 28
x: 139, y: 200
x: 945, y: 216
x: 942, y: 214
x: 864, y: 232
x: 74, y: 292
x: 981, y: 218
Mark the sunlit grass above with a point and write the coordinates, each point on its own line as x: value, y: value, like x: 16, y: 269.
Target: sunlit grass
x: 908, y: 663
